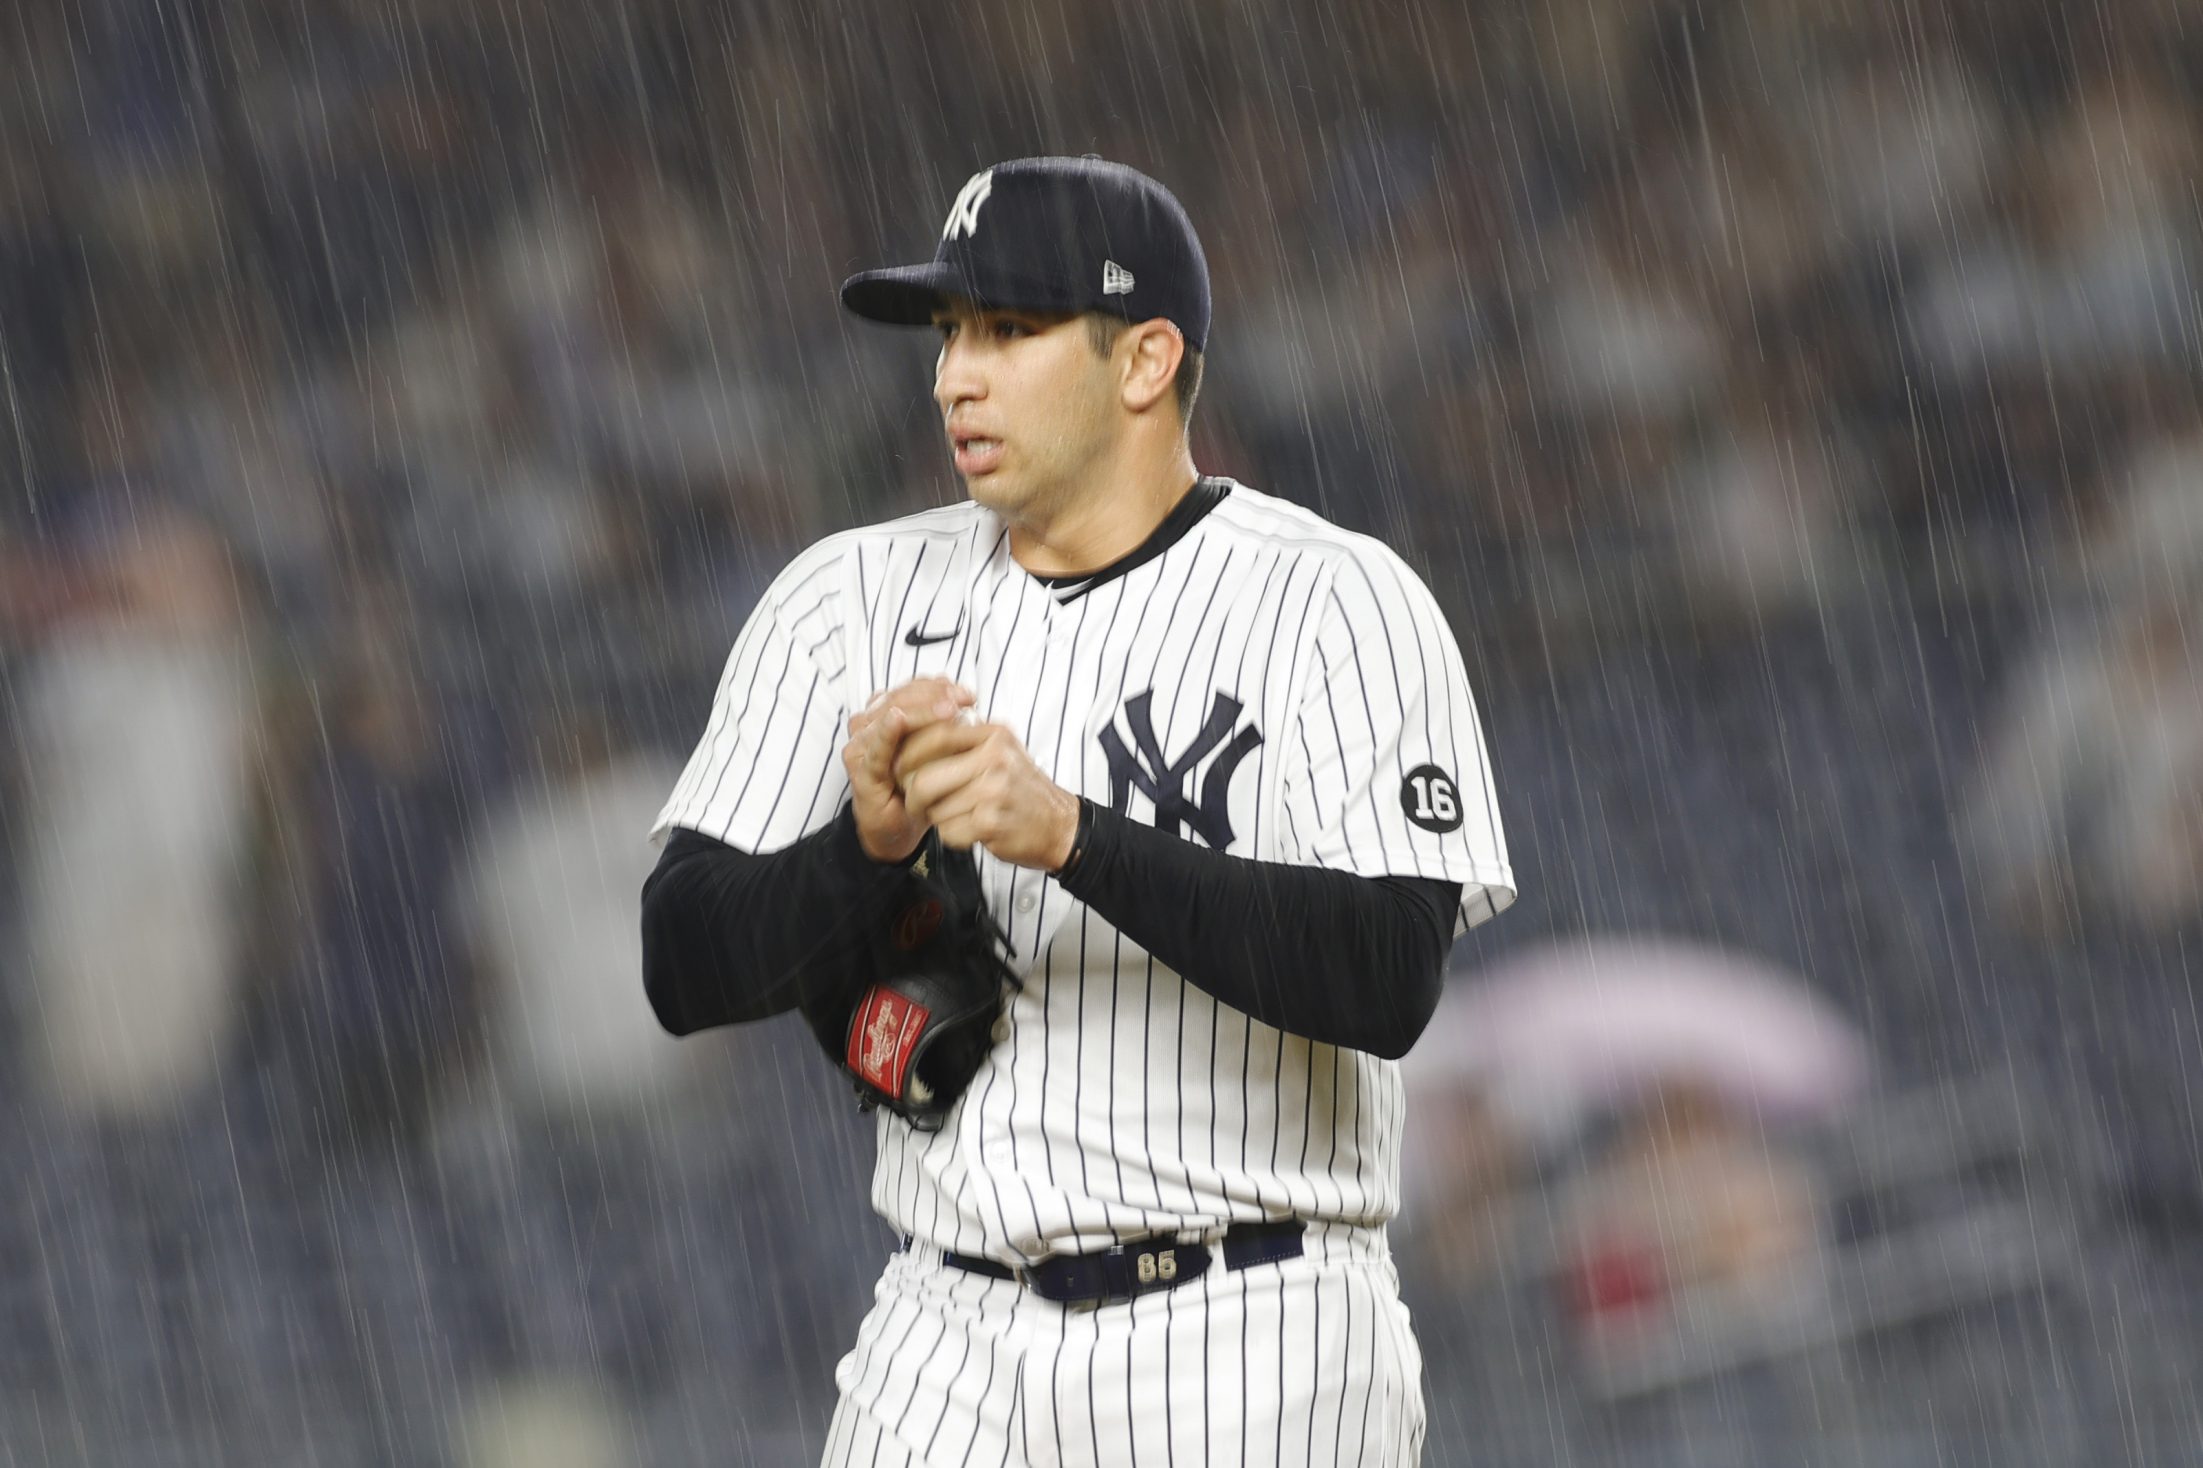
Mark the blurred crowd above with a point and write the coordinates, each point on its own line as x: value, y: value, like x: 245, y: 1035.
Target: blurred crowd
x: 404, y: 404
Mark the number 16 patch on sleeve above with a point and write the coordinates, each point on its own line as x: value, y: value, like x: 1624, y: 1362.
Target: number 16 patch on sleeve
x: 1431, y: 799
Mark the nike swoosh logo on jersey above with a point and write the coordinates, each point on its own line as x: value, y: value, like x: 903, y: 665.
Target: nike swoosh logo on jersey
x: 915, y: 638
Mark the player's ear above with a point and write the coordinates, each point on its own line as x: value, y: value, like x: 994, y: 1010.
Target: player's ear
x: 1151, y: 353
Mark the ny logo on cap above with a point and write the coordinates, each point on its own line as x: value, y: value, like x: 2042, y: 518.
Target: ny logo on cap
x: 964, y: 213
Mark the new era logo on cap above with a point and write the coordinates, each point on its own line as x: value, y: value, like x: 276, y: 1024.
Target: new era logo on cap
x: 1116, y: 280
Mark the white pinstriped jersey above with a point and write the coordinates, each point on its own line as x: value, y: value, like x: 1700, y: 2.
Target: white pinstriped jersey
x: 1270, y: 685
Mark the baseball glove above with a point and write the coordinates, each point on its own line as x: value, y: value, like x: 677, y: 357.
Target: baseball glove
x: 913, y: 1030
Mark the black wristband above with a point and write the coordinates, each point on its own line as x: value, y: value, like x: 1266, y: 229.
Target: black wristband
x: 1080, y: 839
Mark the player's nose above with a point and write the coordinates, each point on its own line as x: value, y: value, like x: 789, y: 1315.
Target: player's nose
x: 957, y: 375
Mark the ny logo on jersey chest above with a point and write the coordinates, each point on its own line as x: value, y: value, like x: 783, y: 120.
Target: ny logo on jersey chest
x: 1163, y: 781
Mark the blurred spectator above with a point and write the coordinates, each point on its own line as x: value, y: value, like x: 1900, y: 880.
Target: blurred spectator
x: 378, y: 1010
x: 242, y: 430
x: 1603, y: 1156
x: 2048, y: 310
x: 1693, y: 1209
x: 2089, y: 799
x: 1466, y: 1163
x: 544, y: 275
x: 2110, y: 216
x: 2144, y: 535
x: 1622, y: 331
x: 1734, y: 201
x: 547, y: 907
x: 140, y: 739
x: 1685, y: 1038
x: 1897, y: 138
x: 2095, y: 268
x: 1768, y: 506
x: 1598, y: 63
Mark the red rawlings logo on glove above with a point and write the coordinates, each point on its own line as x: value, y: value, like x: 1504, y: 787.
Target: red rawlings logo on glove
x: 880, y: 1042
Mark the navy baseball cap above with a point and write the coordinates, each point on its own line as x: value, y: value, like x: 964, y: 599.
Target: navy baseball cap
x: 1053, y: 234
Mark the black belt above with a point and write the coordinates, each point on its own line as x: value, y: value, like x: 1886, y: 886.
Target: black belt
x: 1142, y: 1267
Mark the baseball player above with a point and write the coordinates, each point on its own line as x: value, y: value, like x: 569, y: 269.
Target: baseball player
x: 1219, y: 767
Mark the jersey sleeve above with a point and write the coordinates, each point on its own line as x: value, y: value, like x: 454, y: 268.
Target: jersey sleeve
x: 1385, y: 769
x: 768, y: 769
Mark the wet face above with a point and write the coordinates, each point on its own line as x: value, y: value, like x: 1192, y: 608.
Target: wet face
x: 1028, y: 405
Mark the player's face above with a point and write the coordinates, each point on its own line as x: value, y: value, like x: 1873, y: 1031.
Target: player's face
x: 1027, y: 403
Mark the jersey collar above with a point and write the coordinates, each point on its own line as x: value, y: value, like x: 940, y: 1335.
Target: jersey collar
x: 1207, y: 493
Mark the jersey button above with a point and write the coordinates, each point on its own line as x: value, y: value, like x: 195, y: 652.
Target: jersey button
x: 1027, y: 903
x: 1001, y: 1030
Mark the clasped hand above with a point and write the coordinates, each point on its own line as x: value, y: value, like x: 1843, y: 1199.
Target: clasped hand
x: 918, y: 757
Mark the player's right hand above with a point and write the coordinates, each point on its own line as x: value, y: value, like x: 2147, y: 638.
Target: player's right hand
x: 885, y: 827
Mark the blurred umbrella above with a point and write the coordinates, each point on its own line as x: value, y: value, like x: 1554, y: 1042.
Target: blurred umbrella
x: 1555, y: 1033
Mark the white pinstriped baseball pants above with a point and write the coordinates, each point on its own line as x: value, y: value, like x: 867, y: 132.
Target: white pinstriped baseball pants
x: 1308, y: 1362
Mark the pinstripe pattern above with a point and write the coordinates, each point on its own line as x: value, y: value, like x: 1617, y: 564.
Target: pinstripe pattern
x: 1125, y: 1101
x: 1311, y: 1362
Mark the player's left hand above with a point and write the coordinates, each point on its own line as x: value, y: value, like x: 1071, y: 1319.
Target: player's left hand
x: 976, y: 784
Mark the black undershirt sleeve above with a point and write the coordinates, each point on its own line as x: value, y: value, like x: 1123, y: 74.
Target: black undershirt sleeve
x: 731, y: 936
x: 1331, y: 956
